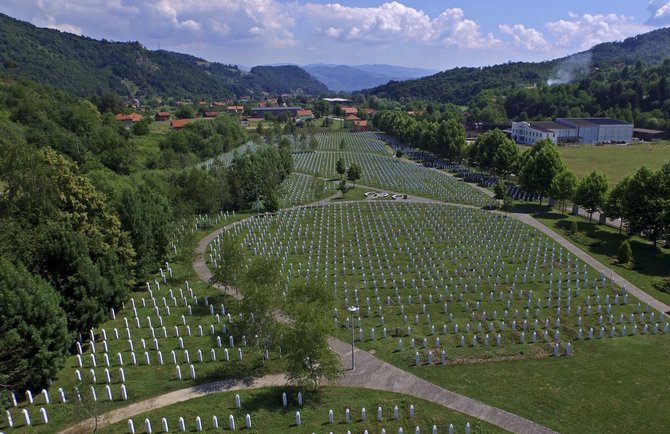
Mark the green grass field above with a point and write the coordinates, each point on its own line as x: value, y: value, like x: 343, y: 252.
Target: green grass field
x: 268, y: 415
x: 616, y: 161
x: 608, y: 386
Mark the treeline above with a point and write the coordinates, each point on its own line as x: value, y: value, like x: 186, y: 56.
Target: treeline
x: 444, y: 137
x: 85, y: 67
x: 641, y: 200
x: 78, y: 228
x: 201, y: 140
x: 633, y: 93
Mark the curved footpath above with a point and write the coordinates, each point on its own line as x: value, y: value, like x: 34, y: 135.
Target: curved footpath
x: 370, y: 372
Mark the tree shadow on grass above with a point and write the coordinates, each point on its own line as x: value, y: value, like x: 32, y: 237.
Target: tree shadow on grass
x: 532, y: 208
x: 231, y: 372
x: 271, y: 399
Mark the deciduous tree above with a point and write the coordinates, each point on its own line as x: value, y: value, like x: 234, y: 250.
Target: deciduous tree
x: 563, y: 187
x: 591, y: 192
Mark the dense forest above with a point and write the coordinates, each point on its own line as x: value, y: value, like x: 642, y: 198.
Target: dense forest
x: 86, y: 213
x: 86, y: 67
x: 462, y: 85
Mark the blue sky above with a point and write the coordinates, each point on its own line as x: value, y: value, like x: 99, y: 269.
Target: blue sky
x: 433, y: 34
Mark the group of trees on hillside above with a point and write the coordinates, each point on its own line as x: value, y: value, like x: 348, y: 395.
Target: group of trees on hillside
x: 444, y: 138
x: 633, y: 93
x: 85, y: 215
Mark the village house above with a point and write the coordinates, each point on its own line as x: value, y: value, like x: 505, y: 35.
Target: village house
x: 177, y: 124
x: 162, y: 116
x: 128, y: 119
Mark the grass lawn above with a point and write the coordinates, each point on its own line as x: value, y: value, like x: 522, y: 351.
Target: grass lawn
x: 268, y: 415
x: 610, y: 385
x: 616, y: 161
x: 602, y: 242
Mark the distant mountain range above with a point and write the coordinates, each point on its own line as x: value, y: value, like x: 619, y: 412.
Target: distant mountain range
x: 86, y: 67
x: 460, y: 85
x: 350, y: 78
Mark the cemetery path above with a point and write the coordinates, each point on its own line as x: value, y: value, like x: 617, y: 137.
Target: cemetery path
x: 373, y: 373
x: 175, y: 397
x: 619, y: 280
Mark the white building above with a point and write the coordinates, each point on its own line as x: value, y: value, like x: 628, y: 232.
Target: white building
x: 573, y: 130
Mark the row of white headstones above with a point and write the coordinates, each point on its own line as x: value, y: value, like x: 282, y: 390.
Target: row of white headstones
x: 348, y: 418
x: 260, y: 230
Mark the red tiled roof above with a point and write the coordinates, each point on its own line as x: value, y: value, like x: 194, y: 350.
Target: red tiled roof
x: 133, y: 117
x: 236, y: 108
x: 361, y: 123
x: 349, y: 110
x: 212, y: 114
x: 179, y: 123
x: 304, y: 113
x: 352, y: 118
x: 163, y: 113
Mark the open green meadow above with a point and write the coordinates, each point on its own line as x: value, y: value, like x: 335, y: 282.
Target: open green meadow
x: 617, y: 161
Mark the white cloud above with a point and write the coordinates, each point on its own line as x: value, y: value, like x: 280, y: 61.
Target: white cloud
x: 393, y: 22
x: 660, y: 12
x: 583, y: 32
x: 267, y: 22
x: 526, y: 37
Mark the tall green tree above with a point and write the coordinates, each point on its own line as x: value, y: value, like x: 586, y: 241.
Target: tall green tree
x: 146, y: 214
x: 540, y: 165
x: 310, y: 359
x: 34, y: 338
x: 645, y: 202
x: 340, y: 167
x: 451, y: 142
x: 56, y: 223
x: 563, y: 187
x: 506, y: 158
x: 483, y: 151
x: 262, y: 301
x: 591, y: 192
x: 230, y: 265
x: 354, y: 173
x: 614, y: 204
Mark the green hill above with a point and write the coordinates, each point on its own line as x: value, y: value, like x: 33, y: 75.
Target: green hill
x: 461, y: 85
x: 85, y: 67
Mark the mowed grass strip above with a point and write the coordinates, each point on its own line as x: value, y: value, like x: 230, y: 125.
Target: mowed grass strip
x: 268, y: 415
x: 617, y: 161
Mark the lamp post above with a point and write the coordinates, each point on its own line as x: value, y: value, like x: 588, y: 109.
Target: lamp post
x: 353, y: 310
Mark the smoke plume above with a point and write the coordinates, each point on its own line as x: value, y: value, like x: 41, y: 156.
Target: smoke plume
x: 569, y: 68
